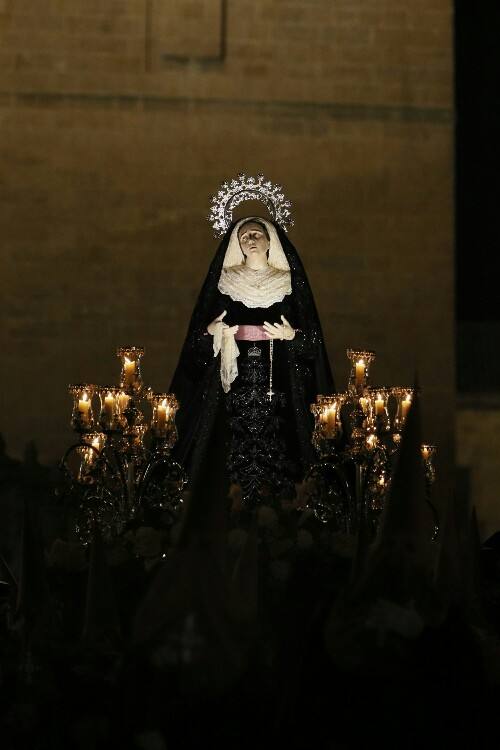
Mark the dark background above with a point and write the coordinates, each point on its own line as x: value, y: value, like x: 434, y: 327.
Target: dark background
x: 477, y: 30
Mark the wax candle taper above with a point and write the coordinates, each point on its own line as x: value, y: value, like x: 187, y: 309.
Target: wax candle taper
x: 109, y: 406
x: 84, y: 407
x: 161, y: 415
x: 129, y: 370
x: 379, y: 404
x: 405, y: 405
x: 360, y: 372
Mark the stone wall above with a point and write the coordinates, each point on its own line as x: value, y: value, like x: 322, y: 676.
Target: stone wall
x: 119, y: 119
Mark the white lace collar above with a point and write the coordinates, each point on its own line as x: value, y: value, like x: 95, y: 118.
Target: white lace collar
x: 261, y: 288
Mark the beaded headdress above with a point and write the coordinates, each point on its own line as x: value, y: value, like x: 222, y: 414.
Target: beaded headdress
x: 231, y: 194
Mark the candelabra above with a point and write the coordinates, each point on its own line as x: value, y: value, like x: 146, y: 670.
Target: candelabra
x: 356, y: 437
x: 120, y: 470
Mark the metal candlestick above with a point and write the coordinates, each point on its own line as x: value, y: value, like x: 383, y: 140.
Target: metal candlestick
x: 357, y: 436
x: 124, y: 472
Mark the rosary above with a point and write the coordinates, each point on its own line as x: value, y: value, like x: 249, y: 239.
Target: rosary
x: 270, y: 392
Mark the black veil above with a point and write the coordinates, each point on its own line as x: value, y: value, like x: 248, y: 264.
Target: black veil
x: 196, y: 381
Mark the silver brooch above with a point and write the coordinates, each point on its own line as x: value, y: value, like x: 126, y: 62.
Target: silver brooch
x: 231, y: 194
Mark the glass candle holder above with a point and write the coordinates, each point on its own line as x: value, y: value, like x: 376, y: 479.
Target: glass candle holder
x: 379, y: 399
x: 359, y: 374
x: 131, y: 377
x: 326, y: 412
x: 427, y: 452
x: 92, y: 445
x: 109, y: 415
x: 164, y: 406
x: 365, y: 404
x: 82, y: 418
x: 96, y: 442
x: 122, y: 402
x: 404, y: 398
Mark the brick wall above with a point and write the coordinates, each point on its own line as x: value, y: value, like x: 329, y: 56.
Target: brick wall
x: 352, y: 51
x: 114, y: 134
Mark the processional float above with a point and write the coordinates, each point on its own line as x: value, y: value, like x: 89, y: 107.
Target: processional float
x: 121, y: 469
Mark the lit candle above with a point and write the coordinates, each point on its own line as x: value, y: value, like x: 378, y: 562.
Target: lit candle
x: 331, y: 418
x: 360, y: 371
x: 405, y: 406
x: 84, y: 407
x: 379, y: 404
x: 161, y: 415
x: 129, y: 370
x: 425, y: 452
x: 123, y: 400
x: 90, y: 454
x: 109, y: 406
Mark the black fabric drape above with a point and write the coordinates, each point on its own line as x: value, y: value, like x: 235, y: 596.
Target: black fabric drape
x: 196, y: 381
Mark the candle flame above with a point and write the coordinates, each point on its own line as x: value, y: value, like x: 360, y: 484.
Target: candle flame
x: 129, y: 361
x: 110, y: 395
x: 85, y: 396
x: 360, y: 362
x: 164, y: 403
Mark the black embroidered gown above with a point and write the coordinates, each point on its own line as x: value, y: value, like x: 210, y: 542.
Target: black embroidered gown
x: 244, y: 436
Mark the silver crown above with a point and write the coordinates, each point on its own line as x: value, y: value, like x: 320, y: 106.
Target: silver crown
x: 231, y: 194
x: 254, y: 351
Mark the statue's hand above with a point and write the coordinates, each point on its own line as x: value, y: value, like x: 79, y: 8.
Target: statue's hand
x: 211, y: 328
x: 281, y: 330
x: 229, y: 331
x: 226, y: 330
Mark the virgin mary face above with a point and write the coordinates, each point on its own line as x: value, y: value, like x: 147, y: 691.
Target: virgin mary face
x: 253, y: 240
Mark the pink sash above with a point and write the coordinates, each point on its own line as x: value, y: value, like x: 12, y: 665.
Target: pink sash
x: 251, y: 333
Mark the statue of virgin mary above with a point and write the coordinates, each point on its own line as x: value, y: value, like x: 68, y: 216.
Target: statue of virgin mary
x: 251, y: 365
